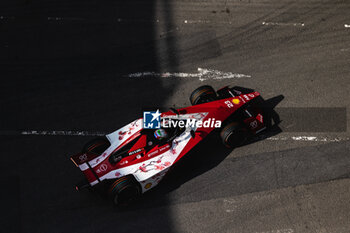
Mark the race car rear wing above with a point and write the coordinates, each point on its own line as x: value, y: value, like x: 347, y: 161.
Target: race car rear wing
x: 81, y: 158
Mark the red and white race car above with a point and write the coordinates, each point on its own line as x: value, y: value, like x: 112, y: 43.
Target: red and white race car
x: 133, y: 159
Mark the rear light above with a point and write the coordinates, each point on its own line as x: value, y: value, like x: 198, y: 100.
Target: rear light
x: 82, y: 185
x: 74, y: 162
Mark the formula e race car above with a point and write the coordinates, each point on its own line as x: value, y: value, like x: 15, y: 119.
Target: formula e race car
x: 135, y: 158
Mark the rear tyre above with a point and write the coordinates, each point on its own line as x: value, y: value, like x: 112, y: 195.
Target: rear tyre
x: 234, y: 135
x: 97, y: 145
x: 125, y: 190
x: 203, y: 94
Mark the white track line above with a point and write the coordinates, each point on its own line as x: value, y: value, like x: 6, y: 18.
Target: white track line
x: 202, y: 75
x: 65, y: 19
x: 6, y: 17
x: 52, y: 133
x: 63, y: 133
x: 130, y: 20
x: 185, y: 21
x: 308, y: 138
x: 196, y: 21
x: 286, y: 230
x: 168, y: 32
x: 101, y: 133
x: 283, y: 24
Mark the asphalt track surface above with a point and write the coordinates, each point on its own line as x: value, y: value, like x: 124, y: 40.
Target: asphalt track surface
x: 63, y: 67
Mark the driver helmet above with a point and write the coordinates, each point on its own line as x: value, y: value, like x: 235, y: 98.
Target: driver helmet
x: 160, y: 134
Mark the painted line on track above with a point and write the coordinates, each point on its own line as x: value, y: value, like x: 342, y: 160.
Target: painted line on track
x: 51, y: 133
x: 101, y: 133
x: 65, y: 19
x: 284, y: 230
x: 202, y: 75
x: 308, y: 138
x: 283, y: 24
x: 140, y: 20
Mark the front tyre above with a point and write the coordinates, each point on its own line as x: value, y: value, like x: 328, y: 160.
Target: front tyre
x: 125, y: 190
x: 234, y: 135
x: 203, y: 94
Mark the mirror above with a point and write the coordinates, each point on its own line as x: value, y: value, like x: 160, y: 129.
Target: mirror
x: 193, y: 134
x: 174, y: 111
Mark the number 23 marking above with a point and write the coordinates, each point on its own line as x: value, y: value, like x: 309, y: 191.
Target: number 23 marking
x: 229, y: 104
